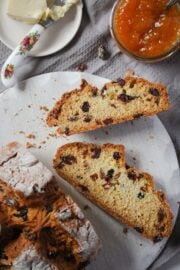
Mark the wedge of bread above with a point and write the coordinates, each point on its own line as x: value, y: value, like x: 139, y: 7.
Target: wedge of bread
x: 89, y: 108
x: 100, y: 173
x: 40, y: 227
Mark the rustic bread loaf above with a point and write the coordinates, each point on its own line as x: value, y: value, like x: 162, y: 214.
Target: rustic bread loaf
x: 89, y: 108
x: 41, y: 228
x: 100, y: 173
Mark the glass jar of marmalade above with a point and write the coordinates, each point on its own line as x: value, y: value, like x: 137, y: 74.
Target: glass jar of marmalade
x: 146, y: 29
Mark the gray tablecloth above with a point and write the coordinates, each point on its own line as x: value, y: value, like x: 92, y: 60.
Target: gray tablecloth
x: 94, y: 31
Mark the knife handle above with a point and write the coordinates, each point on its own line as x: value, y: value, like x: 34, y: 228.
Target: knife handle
x: 9, y: 72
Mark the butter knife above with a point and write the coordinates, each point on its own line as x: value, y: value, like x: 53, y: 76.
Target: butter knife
x: 21, y: 52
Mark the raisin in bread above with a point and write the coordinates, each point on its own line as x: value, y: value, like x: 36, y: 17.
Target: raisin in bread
x: 40, y: 227
x: 89, y: 108
x: 100, y: 173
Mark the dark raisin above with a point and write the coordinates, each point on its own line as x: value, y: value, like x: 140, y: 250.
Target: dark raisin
x: 85, y: 153
x: 96, y: 152
x: 139, y: 115
x: 11, y: 202
x: 94, y: 176
x: 126, y: 98
x: 157, y: 239
x: 87, y: 118
x: 125, y: 230
x: 1, y: 189
x: 154, y: 92
x: 52, y: 254
x: 94, y: 91
x: 98, y: 122
x: 157, y: 101
x: 127, y: 167
x: 69, y: 159
x: 55, y: 113
x: 116, y: 155
x: 162, y: 228
x: 3, y: 256
x: 132, y: 84
x: 16, y: 233
x: 86, y: 207
x: 108, y: 121
x: 103, y: 91
x: 73, y: 118
x: 117, y: 176
x: 144, y: 189
x: 35, y: 188
x: 66, y: 131
x: 113, y: 105
x: 82, y: 265
x: 121, y: 82
x: 139, y: 229
x: 141, y: 195
x: 132, y: 175
x: 68, y: 256
x: 85, y: 107
x: 83, y: 83
x: 49, y: 208
x: 161, y: 215
x: 161, y: 194
x: 84, y: 188
x: 23, y: 213
x: 79, y: 177
x: 82, y: 67
x: 109, y: 175
x: 46, y: 233
x: 60, y: 165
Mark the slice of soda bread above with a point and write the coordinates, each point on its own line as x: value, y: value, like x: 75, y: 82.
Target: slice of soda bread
x: 89, y: 108
x: 100, y: 173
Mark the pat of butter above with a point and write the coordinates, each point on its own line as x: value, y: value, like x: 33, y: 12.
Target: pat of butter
x: 58, y: 12
x: 29, y: 11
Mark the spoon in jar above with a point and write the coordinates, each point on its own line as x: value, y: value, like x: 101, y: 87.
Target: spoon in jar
x: 172, y: 3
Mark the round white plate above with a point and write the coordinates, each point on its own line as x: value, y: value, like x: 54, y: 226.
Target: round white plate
x: 54, y: 39
x: 148, y: 147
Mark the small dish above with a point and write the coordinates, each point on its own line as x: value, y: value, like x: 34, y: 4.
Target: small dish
x: 54, y: 39
x: 150, y: 59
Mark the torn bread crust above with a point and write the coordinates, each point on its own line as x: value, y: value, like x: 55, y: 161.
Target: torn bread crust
x: 90, y: 108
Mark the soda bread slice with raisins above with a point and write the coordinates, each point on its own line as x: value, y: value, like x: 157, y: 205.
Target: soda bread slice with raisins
x: 40, y: 227
x: 100, y: 173
x: 89, y: 108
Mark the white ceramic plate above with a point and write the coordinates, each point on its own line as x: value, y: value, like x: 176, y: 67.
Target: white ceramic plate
x: 54, y: 39
x: 148, y: 146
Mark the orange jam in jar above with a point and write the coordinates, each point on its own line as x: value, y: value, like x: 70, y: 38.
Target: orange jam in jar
x: 145, y: 27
